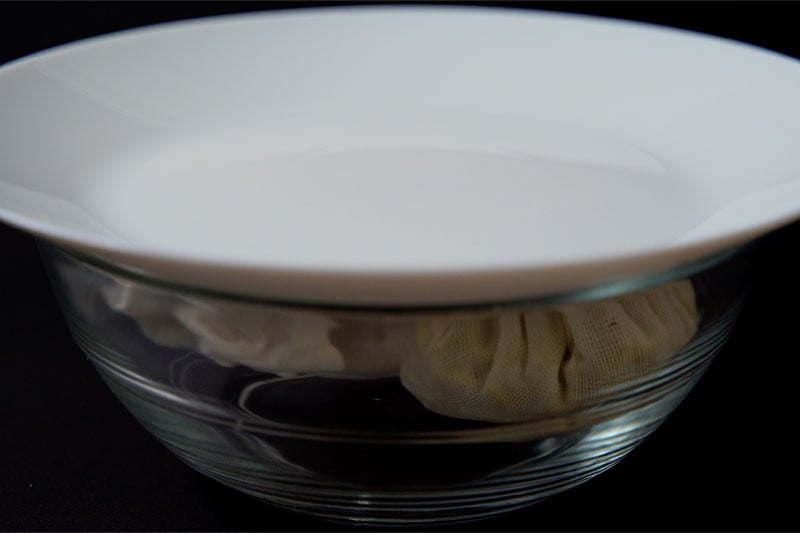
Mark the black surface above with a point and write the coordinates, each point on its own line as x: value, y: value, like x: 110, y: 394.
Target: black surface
x: 72, y: 459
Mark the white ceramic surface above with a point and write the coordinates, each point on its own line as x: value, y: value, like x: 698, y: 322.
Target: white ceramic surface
x: 400, y: 155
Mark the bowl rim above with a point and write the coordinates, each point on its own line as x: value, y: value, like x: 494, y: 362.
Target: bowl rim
x: 592, y: 293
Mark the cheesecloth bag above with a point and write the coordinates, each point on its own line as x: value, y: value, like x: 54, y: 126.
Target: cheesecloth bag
x: 516, y: 365
x: 279, y: 341
x: 500, y: 367
x: 282, y: 342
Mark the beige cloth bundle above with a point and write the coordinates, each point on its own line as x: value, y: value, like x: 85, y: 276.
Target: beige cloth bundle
x: 519, y: 365
x: 506, y: 366
x: 230, y: 333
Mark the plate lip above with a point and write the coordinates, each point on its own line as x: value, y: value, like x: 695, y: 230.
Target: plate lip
x: 418, y: 8
x: 104, y: 249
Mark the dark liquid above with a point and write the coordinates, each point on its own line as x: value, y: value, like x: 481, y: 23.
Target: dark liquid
x: 382, y: 407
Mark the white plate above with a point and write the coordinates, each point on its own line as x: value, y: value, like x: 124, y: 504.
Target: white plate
x: 400, y: 155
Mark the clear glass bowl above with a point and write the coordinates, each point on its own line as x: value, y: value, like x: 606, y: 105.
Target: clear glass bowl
x: 400, y: 416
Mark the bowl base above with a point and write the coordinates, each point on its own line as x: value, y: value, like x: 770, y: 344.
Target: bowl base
x: 279, y: 470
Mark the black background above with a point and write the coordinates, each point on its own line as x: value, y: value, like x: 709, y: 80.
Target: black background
x: 72, y: 459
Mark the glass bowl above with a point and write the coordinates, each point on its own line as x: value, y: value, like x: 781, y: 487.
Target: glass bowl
x: 399, y: 415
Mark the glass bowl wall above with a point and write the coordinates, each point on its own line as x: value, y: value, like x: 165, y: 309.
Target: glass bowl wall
x: 400, y: 416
